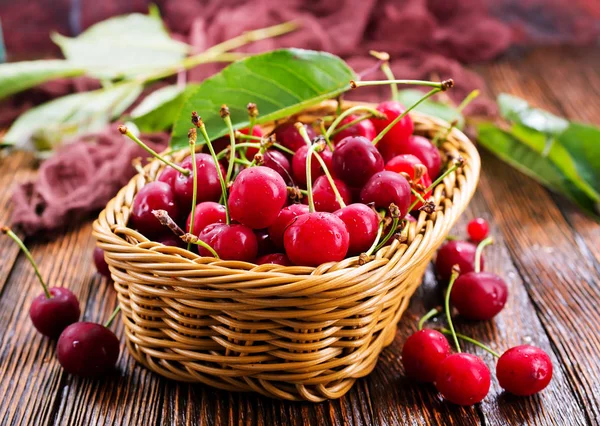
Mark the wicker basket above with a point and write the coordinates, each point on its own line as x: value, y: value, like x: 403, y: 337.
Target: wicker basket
x: 295, y: 333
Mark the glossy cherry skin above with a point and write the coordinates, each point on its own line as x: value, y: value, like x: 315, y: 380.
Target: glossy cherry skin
x: 385, y: 188
x: 231, y: 242
x: 50, y: 316
x: 461, y: 253
x: 324, y: 197
x: 278, y: 161
x: 422, y: 354
x: 315, y: 238
x: 153, y: 196
x: 87, y: 349
x: 299, y: 165
x: 170, y: 240
x: 479, y: 296
x: 288, y: 136
x: 406, y: 163
x: 463, y: 379
x: 256, y: 197
x: 168, y: 175
x: 524, y: 370
x: 423, y: 149
x: 362, y: 223
x: 355, y: 160
x: 284, y: 218
x: 274, y: 258
x: 256, y: 131
x: 100, y: 262
x: 206, y: 213
x: 265, y: 245
x: 364, y: 128
x: 209, y: 186
x: 401, y: 131
x: 478, y: 229
x: 223, y: 143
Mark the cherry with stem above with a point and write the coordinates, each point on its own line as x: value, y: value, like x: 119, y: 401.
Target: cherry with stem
x: 333, y: 127
x: 453, y: 277
x: 457, y: 164
x: 479, y: 251
x: 192, y: 135
x: 240, y: 135
x: 224, y: 112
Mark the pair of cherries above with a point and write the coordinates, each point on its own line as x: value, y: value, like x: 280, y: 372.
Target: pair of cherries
x: 84, y: 348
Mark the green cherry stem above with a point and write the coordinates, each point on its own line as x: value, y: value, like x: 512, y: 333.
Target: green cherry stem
x: 258, y: 138
x: 384, y: 57
x: 222, y: 154
x: 6, y: 230
x: 443, y: 85
x: 377, y: 238
x: 418, y: 196
x: 466, y: 101
x: 352, y: 123
x: 348, y: 112
x: 427, y: 317
x: 455, y: 272
x: 471, y: 340
x: 200, y: 125
x: 125, y: 131
x: 480, y: 247
x: 192, y: 135
x: 390, y: 233
x: 456, y: 165
x: 227, y: 118
x: 309, y: 155
x: 112, y: 316
x: 190, y: 238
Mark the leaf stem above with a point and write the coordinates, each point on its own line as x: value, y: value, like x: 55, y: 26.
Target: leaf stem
x: 479, y: 251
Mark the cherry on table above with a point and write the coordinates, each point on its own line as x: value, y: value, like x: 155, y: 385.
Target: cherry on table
x: 324, y: 197
x: 463, y: 379
x: 479, y: 295
x: 282, y: 221
x: 422, y: 354
x: 478, y: 229
x: 256, y: 197
x: 153, y: 196
x: 461, y: 253
x: 231, y: 242
x: 206, y: 213
x: 100, y: 262
x: 362, y: 224
x: 385, y: 188
x: 288, y: 136
x: 364, y: 128
x: 274, y: 258
x: 524, y: 370
x: 355, y: 159
x: 209, y: 186
x: 87, y: 349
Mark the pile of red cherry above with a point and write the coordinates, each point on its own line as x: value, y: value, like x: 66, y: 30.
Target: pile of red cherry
x: 246, y: 207
x: 464, y: 378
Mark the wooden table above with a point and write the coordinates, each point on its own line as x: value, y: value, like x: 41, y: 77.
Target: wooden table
x: 547, y: 250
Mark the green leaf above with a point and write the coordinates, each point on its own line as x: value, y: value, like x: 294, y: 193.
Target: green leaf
x: 435, y: 108
x: 18, y: 76
x: 583, y: 144
x: 519, y: 155
x: 159, y: 109
x: 281, y: 83
x: 518, y: 110
x: 48, y: 124
x: 123, y: 46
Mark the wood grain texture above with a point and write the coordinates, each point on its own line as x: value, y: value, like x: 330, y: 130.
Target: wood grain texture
x: 547, y: 251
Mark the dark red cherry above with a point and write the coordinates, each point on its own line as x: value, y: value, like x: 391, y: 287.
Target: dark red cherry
x: 209, y: 186
x: 524, y: 370
x: 385, y: 188
x: 364, y: 128
x: 283, y: 219
x: 223, y: 142
x: 463, y: 379
x: 422, y: 354
x: 315, y: 238
x: 168, y: 175
x: 362, y: 223
x: 100, y: 262
x: 288, y: 136
x: 274, y: 258
x: 265, y: 245
x: 299, y: 165
x: 398, y: 134
x: 277, y: 161
x: 355, y: 160
x: 153, y: 196
x: 256, y: 131
x: 478, y: 229
x: 405, y: 163
x: 423, y: 149
x: 206, y: 213
x: 87, y: 349
x: 50, y: 316
x: 324, y: 197
x: 256, y: 197
x: 461, y: 253
x: 231, y: 242
x: 170, y: 240
x: 479, y: 295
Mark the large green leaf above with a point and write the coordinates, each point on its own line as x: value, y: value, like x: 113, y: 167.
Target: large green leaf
x: 18, y: 76
x: 123, y: 46
x: 583, y: 144
x: 281, y: 83
x: 48, y: 124
x: 518, y: 110
x: 429, y: 106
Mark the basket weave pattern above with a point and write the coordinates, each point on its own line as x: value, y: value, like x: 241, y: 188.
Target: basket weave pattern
x: 295, y: 333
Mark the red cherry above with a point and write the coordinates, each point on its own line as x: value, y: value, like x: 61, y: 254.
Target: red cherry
x: 153, y: 196
x: 362, y: 223
x: 324, y: 197
x: 364, y: 128
x: 256, y: 197
x: 355, y: 160
x: 284, y: 218
x: 223, y: 142
x: 478, y: 229
x: 461, y: 253
x: 278, y: 161
x: 206, y: 213
x: 87, y: 349
x: 479, y: 295
x: 100, y: 262
x: 170, y: 240
x: 524, y: 370
x: 231, y: 242
x: 401, y: 131
x: 50, y: 316
x: 288, y: 136
x: 406, y: 163
x: 209, y: 186
x: 385, y: 188
x: 315, y: 238
x: 274, y: 258
x: 256, y: 131
x: 422, y: 354
x: 168, y: 175
x: 299, y: 165
x: 265, y: 245
x: 463, y: 379
x: 423, y: 149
